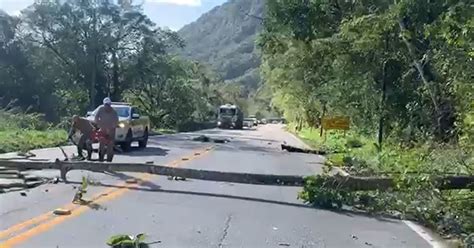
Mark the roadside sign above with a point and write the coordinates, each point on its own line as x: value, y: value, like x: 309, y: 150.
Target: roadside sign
x: 336, y: 123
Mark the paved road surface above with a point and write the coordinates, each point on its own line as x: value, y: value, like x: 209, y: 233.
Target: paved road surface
x: 195, y: 213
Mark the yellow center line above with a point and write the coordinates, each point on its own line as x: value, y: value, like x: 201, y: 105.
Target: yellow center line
x: 48, y: 220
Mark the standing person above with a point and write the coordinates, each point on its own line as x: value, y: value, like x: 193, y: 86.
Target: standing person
x: 107, y: 120
x: 85, y: 127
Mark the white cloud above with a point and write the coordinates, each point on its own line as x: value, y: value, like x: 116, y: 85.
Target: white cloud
x: 178, y: 2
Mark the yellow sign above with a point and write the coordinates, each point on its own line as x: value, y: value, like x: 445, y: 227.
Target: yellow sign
x: 337, y: 122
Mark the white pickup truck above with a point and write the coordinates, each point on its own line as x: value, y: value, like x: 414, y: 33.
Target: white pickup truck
x: 132, y: 126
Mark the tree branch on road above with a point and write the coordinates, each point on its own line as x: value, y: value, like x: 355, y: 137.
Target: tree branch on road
x: 350, y: 183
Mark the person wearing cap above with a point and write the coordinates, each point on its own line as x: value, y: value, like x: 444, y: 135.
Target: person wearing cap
x: 107, y: 120
x: 85, y: 127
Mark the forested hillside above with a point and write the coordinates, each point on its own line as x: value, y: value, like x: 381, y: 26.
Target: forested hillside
x: 224, y: 38
x: 403, y: 72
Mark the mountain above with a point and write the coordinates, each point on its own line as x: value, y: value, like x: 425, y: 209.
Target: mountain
x: 224, y: 38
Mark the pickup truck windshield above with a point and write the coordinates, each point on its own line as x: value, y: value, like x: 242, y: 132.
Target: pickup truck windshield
x: 122, y: 111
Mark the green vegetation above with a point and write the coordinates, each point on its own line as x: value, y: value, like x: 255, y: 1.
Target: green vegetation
x: 402, y: 71
x: 127, y: 241
x: 26, y: 140
x: 415, y: 197
x: 23, y: 132
x: 61, y: 58
x: 224, y: 39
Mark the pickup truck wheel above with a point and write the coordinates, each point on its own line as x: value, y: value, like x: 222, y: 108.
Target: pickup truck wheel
x: 127, y: 144
x: 142, y: 143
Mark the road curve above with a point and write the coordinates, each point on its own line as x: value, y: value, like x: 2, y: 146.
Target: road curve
x: 194, y: 213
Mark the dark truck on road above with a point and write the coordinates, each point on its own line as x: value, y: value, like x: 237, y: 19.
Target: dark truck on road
x: 230, y: 116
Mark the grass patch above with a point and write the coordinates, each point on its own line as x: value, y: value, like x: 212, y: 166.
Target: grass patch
x: 22, y: 132
x: 25, y: 140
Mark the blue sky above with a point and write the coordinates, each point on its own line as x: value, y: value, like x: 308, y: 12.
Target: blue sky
x: 166, y: 13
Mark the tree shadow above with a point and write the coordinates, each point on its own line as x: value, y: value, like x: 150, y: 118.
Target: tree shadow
x: 149, y: 151
x: 91, y: 204
x: 124, y: 177
x: 151, y: 187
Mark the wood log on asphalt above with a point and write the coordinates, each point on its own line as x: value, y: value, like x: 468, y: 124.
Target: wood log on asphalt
x: 355, y: 183
x: 232, y: 177
x: 351, y: 183
x: 301, y: 150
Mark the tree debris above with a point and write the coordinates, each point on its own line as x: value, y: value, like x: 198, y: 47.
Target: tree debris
x: 61, y: 211
x: 301, y: 150
x: 204, y: 138
x: 131, y: 181
x: 352, y: 183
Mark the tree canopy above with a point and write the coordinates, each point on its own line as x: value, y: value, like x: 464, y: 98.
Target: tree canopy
x: 403, y: 65
x: 63, y: 57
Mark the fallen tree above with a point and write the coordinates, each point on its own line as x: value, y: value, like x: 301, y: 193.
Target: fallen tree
x: 301, y: 150
x: 350, y: 183
x: 232, y: 177
x: 355, y: 183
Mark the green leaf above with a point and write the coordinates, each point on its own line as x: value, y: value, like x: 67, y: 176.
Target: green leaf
x: 140, y: 237
x: 128, y: 244
x: 84, y: 183
x: 118, y: 239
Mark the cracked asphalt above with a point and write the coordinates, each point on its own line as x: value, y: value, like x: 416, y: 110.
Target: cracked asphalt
x: 194, y: 213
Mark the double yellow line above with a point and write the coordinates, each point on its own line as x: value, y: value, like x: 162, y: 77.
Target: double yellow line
x: 48, y: 220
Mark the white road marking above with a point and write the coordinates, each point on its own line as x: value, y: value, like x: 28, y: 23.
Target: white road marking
x: 426, y: 234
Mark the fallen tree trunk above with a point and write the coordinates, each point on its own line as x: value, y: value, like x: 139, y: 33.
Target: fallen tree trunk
x: 232, y: 177
x: 351, y: 183
x: 355, y: 183
x: 302, y: 150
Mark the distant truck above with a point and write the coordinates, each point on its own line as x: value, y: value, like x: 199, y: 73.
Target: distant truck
x: 132, y: 126
x: 230, y: 116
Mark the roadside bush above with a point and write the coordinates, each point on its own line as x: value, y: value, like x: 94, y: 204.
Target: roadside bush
x: 25, y: 140
x: 450, y: 212
x: 354, y: 143
x: 15, y: 119
x: 22, y: 132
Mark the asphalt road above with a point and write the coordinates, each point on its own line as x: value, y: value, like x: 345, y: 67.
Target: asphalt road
x: 194, y: 213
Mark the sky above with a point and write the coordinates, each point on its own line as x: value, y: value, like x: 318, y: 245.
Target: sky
x: 173, y: 14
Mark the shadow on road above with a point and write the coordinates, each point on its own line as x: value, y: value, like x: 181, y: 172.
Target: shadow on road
x: 176, y: 142
x: 125, y: 177
x: 149, y: 151
x: 151, y: 187
x: 92, y: 205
